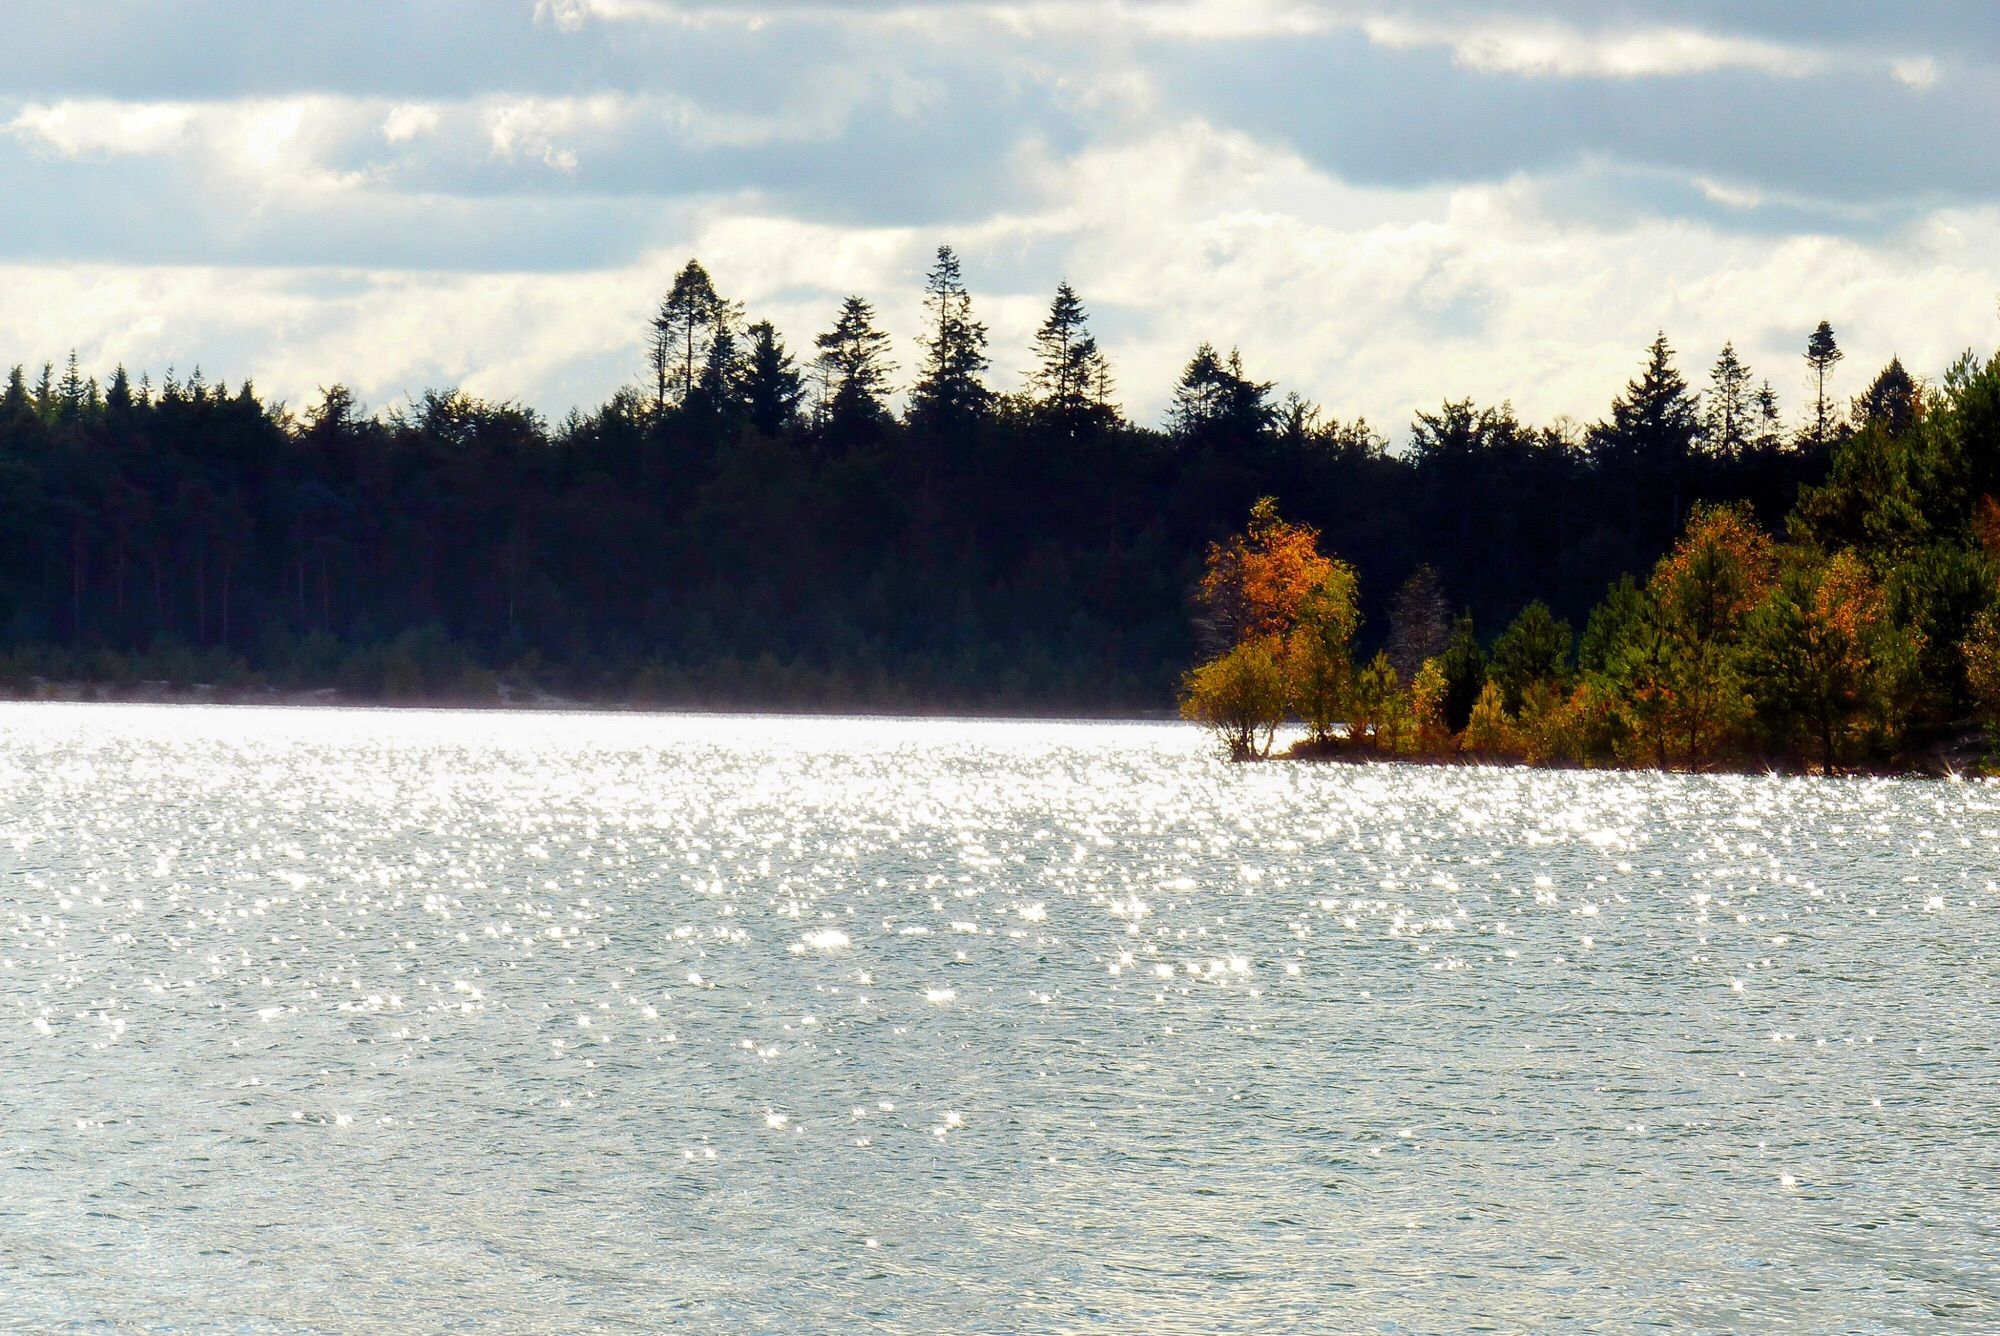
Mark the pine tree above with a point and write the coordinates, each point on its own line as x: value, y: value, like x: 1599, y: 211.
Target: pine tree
x: 118, y: 397
x: 1768, y: 425
x: 690, y: 317
x: 1215, y: 402
x: 1651, y: 430
x: 1534, y: 649
x: 1726, y: 425
x: 71, y: 391
x: 1822, y: 353
x: 716, y: 396
x: 948, y: 388
x: 17, y: 403
x: 853, y: 359
x: 1072, y: 377
x: 1892, y: 402
x: 772, y: 388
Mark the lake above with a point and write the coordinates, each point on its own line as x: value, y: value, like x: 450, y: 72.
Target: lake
x: 326, y: 1020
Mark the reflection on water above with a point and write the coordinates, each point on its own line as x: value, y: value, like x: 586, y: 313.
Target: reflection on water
x: 321, y: 1019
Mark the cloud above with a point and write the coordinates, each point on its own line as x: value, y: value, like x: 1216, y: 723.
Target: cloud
x: 1553, y: 50
x: 1382, y: 203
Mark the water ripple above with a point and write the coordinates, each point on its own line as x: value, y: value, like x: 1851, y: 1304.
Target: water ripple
x: 316, y: 1020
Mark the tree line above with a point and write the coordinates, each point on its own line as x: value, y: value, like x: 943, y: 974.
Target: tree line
x: 748, y: 524
x: 1865, y: 632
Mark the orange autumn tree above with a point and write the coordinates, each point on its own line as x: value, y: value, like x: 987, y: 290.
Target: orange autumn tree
x: 1258, y: 582
x: 1279, y: 616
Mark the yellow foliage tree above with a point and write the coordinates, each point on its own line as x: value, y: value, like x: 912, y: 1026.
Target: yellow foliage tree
x: 1427, y: 693
x: 1566, y: 728
x: 1242, y: 696
x: 1320, y: 655
x: 1489, y: 732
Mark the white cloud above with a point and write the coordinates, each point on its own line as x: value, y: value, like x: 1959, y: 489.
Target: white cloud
x: 85, y: 128
x: 1918, y: 72
x: 1082, y: 151
x: 274, y: 148
x: 408, y: 121
x: 1552, y: 50
x: 1376, y: 302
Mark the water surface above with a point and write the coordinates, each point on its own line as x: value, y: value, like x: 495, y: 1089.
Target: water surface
x: 353, y: 1021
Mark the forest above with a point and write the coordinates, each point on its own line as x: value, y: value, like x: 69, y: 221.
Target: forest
x: 1865, y: 634
x: 856, y: 526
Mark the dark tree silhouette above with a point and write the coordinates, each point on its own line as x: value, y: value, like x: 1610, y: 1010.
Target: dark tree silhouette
x: 1822, y: 355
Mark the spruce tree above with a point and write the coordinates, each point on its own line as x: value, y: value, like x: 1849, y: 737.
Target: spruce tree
x: 689, y: 319
x: 1822, y: 353
x: 118, y: 396
x: 1726, y: 425
x: 854, y: 363
x: 772, y: 388
x: 1216, y: 403
x: 948, y: 388
x: 1071, y: 377
x: 1891, y: 402
x: 1768, y: 426
x: 71, y: 391
x: 1650, y: 432
x: 1654, y: 421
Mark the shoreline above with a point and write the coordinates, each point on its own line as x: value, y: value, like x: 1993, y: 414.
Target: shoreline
x: 514, y: 700
x: 1962, y: 755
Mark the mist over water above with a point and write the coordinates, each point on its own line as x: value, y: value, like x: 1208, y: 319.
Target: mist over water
x: 344, y: 1020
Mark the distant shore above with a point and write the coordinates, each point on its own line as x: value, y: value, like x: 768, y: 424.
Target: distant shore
x: 510, y: 697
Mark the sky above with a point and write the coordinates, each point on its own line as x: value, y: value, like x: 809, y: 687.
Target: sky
x: 1384, y: 205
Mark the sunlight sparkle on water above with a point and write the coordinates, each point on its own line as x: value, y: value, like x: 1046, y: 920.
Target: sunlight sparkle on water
x: 317, y: 1011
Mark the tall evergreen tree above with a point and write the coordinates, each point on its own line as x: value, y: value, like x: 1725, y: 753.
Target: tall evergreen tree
x: 1071, y: 378
x: 1822, y: 354
x: 1216, y: 403
x: 716, y: 392
x: 1768, y: 425
x: 118, y: 396
x: 772, y: 388
x: 949, y: 389
x: 689, y: 318
x: 1891, y: 402
x: 1651, y: 430
x: 18, y: 402
x: 1727, y: 421
x: 71, y: 391
x: 854, y: 362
